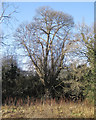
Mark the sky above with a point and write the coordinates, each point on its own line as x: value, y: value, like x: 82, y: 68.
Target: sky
x: 80, y: 11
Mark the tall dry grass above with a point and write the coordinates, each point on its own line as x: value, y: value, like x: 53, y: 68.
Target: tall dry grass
x: 50, y: 108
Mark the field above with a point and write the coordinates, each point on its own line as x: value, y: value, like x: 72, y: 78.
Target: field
x: 48, y: 109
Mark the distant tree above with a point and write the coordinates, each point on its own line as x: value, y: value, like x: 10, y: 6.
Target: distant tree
x: 85, y: 36
x: 86, y: 39
x: 10, y: 75
x: 46, y: 41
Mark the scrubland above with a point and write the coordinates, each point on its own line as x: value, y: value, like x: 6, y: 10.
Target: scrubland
x: 48, y: 109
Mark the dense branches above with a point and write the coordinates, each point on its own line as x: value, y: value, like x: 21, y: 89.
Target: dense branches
x: 46, y: 41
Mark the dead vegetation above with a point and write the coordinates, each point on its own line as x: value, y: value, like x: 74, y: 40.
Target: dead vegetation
x: 49, y: 109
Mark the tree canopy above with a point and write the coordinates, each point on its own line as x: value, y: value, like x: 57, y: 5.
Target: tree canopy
x: 46, y: 40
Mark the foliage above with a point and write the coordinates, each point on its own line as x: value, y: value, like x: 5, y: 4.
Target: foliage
x: 29, y: 86
x: 85, y: 36
x: 72, y: 78
x: 73, y: 83
x: 15, y: 83
x: 10, y: 73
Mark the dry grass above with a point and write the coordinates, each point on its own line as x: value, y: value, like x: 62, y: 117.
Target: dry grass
x: 50, y: 109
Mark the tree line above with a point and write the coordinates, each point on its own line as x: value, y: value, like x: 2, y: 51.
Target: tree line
x: 73, y: 83
x: 48, y: 41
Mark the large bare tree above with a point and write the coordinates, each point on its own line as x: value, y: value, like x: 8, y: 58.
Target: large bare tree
x: 46, y: 41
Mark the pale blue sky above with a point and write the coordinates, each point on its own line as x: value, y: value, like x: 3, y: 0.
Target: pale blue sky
x: 79, y: 10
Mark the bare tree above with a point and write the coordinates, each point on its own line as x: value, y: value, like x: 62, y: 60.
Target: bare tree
x: 6, y: 14
x: 85, y: 38
x: 46, y: 41
x: 6, y: 17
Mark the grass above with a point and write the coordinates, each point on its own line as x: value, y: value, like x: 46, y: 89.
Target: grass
x: 48, y: 109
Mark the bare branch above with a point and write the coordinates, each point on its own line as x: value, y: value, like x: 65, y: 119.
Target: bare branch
x: 44, y: 39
